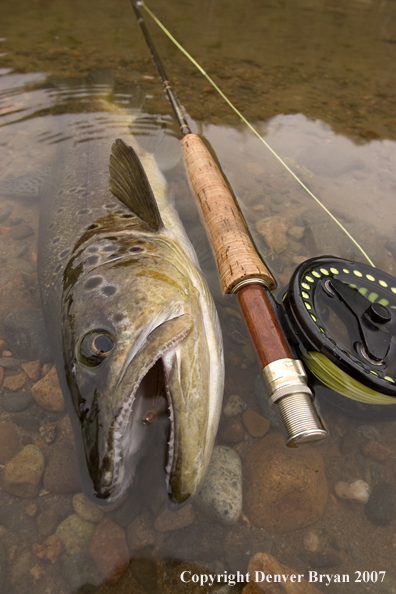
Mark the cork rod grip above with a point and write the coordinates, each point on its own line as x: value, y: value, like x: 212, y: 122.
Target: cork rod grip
x: 235, y: 255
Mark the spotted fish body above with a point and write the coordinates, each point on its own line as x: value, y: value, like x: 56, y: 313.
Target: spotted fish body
x: 131, y: 318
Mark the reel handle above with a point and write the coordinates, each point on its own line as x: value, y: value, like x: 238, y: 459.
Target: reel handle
x: 235, y: 255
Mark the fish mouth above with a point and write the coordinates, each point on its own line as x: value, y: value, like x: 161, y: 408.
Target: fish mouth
x: 149, y: 371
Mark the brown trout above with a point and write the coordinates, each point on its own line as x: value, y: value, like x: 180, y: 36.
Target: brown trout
x: 133, y: 326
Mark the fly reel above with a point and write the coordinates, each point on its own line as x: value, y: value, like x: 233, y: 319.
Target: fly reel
x: 341, y: 317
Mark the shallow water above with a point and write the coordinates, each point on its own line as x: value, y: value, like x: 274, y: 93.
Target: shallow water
x: 316, y: 79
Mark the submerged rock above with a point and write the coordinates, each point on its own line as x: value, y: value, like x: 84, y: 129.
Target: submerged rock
x: 284, y: 489
x: 15, y: 382
x: 47, y: 392
x: 109, y: 550
x: 9, y: 442
x: 357, y: 491
x: 21, y: 475
x: 256, y: 425
x: 221, y: 492
x: 274, y: 230
x: 87, y: 510
x: 26, y: 335
x: 16, y: 401
x: 75, y: 534
x: 234, y: 406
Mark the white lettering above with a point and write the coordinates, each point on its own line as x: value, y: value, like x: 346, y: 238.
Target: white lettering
x: 260, y: 576
x: 182, y: 576
x: 313, y: 576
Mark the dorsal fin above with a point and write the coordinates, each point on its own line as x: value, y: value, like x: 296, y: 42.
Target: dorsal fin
x: 129, y: 183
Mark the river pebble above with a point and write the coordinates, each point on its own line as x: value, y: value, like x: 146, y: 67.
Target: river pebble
x: 296, y: 232
x: 32, y: 369
x: 274, y: 230
x: 48, y: 431
x: 140, y: 533
x: 9, y: 442
x: 311, y: 541
x: 80, y: 570
x: 16, y: 401
x: 21, y: 231
x: 284, y: 489
x: 234, y: 406
x: 61, y: 474
x: 10, y: 363
x: 221, y: 492
x: 47, y: 392
x: 109, y: 550
x: 381, y: 507
x: 174, y: 520
x: 21, y: 475
x: 256, y: 425
x: 26, y: 335
x: 15, y: 382
x: 356, y: 491
x: 87, y: 510
x: 75, y: 534
x: 50, y: 550
x: 47, y: 521
x: 232, y: 431
x: 31, y: 509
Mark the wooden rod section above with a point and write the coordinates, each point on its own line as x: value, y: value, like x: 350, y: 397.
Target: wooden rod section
x: 263, y: 326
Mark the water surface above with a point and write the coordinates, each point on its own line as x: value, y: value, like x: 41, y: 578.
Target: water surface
x: 317, y: 80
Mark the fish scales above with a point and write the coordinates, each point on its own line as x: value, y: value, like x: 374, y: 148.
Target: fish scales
x: 130, y: 316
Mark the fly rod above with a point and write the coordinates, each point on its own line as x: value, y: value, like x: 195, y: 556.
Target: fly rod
x: 242, y: 272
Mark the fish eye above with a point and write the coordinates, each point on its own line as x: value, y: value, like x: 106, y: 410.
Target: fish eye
x: 96, y: 346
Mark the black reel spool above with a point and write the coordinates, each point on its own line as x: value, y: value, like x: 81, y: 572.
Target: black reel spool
x: 341, y: 317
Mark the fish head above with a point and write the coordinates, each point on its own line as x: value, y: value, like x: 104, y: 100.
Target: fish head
x: 134, y: 350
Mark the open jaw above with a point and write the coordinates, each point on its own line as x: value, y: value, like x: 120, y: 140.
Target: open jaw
x: 143, y: 410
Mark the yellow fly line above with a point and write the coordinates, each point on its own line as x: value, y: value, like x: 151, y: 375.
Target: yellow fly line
x: 339, y: 381
x: 211, y: 81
